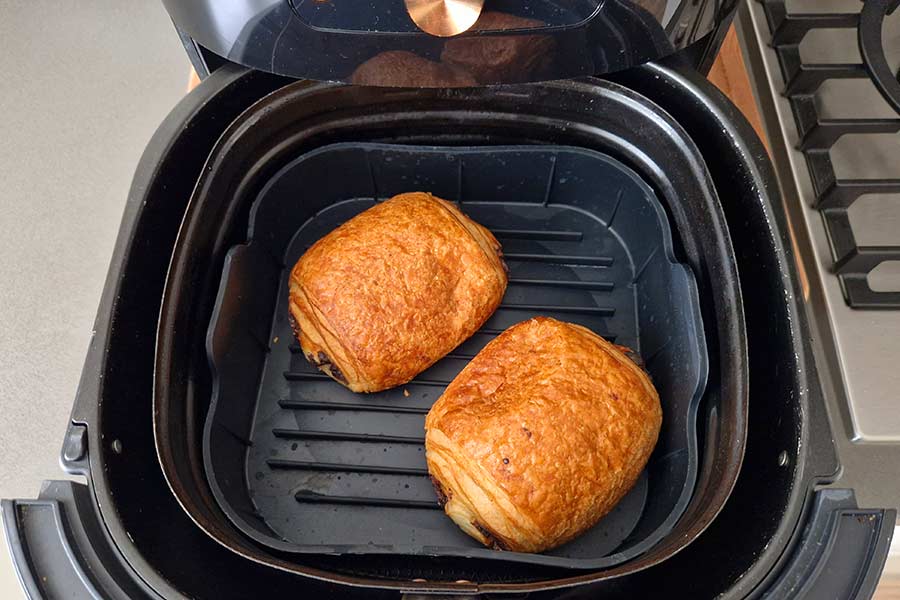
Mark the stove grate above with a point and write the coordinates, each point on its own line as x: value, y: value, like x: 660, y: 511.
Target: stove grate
x: 818, y: 134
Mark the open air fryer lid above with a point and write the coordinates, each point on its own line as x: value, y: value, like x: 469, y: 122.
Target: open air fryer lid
x: 409, y: 43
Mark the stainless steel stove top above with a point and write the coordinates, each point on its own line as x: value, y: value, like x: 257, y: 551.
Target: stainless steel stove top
x: 835, y: 143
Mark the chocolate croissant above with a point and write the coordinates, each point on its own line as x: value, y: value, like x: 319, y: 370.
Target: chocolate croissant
x: 391, y: 291
x: 540, y: 435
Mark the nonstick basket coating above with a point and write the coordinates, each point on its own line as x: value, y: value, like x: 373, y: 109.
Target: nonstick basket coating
x: 310, y: 467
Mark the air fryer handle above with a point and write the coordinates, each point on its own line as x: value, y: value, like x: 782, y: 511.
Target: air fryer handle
x: 59, y: 548
x: 839, y: 554
x: 841, y: 551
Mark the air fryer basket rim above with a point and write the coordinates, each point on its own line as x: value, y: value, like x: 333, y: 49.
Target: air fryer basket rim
x: 312, y: 93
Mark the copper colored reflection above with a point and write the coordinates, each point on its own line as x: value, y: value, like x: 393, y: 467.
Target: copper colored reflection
x: 444, y: 17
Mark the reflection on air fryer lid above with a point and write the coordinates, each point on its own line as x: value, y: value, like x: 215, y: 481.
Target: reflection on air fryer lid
x: 398, y: 68
x: 485, y: 58
x: 500, y: 58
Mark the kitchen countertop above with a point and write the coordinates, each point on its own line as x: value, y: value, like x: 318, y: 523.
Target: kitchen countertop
x: 84, y: 90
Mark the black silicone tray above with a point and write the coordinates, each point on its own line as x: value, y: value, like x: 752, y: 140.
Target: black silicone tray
x: 301, y: 464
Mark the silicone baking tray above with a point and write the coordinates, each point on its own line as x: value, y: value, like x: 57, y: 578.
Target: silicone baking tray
x: 301, y: 464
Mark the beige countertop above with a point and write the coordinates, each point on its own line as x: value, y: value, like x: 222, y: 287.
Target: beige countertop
x: 84, y: 86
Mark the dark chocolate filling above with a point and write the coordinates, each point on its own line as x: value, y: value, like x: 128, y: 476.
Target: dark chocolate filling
x: 336, y: 373
x: 295, y: 327
x: 323, y: 362
x: 502, y: 261
x: 489, y: 537
x: 442, y: 497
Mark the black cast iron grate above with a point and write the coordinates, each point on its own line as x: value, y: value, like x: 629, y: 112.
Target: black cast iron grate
x: 834, y: 195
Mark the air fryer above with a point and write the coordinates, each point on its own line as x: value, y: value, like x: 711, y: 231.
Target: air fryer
x: 746, y: 517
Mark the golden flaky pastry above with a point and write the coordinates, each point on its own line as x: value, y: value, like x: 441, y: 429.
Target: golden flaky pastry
x: 388, y: 293
x: 540, y: 435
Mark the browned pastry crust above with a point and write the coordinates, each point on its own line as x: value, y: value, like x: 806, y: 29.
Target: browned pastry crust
x: 388, y: 293
x: 540, y: 435
x: 398, y: 68
x: 500, y: 59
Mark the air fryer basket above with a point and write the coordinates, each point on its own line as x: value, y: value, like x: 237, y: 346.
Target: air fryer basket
x: 303, y: 116
x: 313, y: 468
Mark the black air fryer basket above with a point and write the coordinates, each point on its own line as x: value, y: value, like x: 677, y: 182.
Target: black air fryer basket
x: 648, y: 180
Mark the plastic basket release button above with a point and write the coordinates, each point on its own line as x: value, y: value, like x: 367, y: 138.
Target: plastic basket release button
x: 74, y: 448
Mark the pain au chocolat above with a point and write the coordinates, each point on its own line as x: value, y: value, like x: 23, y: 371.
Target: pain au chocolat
x: 391, y: 291
x: 541, y: 435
